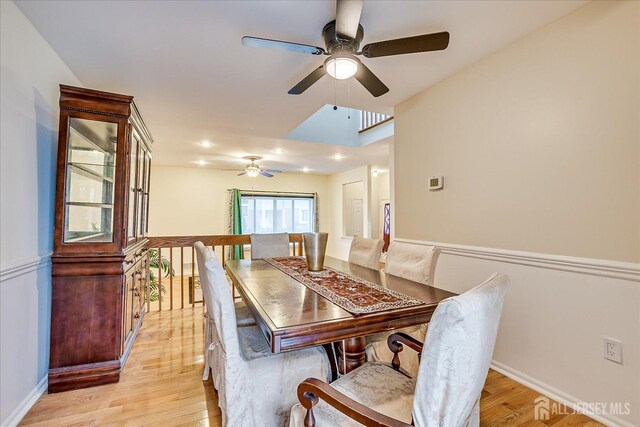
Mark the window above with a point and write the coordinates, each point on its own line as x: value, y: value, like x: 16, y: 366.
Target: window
x: 271, y: 214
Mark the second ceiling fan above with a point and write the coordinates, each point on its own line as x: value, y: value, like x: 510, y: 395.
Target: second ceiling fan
x: 342, y: 39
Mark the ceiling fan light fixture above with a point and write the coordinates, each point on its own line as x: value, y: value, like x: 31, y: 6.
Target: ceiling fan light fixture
x: 341, y: 67
x: 252, y: 171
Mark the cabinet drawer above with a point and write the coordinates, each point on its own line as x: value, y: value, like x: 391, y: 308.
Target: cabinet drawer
x: 132, y: 259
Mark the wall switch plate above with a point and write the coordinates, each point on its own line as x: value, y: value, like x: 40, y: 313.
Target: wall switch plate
x: 613, y: 350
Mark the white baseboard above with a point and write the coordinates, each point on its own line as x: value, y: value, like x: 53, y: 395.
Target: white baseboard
x: 16, y: 416
x: 555, y: 394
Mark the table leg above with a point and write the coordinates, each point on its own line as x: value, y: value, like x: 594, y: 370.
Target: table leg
x: 351, y: 354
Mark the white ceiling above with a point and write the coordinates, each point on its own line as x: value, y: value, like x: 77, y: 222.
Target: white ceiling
x: 193, y: 80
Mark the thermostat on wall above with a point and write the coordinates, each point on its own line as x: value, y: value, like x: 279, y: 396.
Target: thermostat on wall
x: 436, y: 183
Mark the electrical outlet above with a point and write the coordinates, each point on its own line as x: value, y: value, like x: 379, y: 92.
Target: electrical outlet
x: 613, y: 350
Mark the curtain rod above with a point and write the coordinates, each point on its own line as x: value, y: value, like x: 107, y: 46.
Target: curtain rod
x: 271, y: 192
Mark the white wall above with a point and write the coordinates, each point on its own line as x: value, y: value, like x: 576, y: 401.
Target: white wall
x: 30, y: 74
x: 330, y: 126
x: 193, y: 201
x: 539, y: 144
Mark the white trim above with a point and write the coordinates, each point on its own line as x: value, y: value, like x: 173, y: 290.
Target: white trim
x: 26, y: 404
x: 24, y: 267
x: 555, y: 394
x: 595, y: 267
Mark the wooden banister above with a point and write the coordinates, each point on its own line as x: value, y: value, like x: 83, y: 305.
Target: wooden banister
x: 223, y: 245
x: 210, y: 240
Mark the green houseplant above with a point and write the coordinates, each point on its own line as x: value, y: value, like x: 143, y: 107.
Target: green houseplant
x: 162, y: 264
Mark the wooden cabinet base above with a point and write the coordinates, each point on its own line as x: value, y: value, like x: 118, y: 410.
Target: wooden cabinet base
x: 91, y: 374
x: 81, y: 376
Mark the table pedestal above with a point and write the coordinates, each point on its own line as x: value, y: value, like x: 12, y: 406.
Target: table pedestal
x: 351, y: 354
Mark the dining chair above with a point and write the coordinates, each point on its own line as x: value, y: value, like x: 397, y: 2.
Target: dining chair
x: 243, y: 314
x: 270, y: 245
x: 412, y: 262
x: 365, y: 252
x: 455, y: 361
x: 256, y: 388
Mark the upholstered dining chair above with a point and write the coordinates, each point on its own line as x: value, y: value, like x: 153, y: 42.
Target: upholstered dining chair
x: 412, y: 262
x: 455, y: 362
x: 270, y: 245
x: 243, y: 314
x: 256, y: 388
x: 365, y: 252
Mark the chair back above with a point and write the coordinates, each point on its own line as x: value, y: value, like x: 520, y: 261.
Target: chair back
x: 413, y: 262
x: 217, y: 296
x: 365, y: 252
x: 202, y: 254
x: 270, y: 245
x: 457, y: 354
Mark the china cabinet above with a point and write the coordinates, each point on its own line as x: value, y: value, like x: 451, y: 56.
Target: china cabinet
x: 100, y: 262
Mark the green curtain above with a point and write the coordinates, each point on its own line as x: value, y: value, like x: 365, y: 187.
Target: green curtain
x: 236, y: 221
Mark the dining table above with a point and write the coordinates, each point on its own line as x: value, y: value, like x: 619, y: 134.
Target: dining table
x: 292, y: 315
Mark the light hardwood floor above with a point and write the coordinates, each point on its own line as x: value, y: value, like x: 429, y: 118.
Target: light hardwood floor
x: 162, y: 386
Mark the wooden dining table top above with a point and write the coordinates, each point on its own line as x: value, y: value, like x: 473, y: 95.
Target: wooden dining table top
x: 292, y: 316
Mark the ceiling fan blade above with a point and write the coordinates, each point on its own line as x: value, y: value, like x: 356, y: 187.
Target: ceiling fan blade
x: 272, y: 170
x: 348, y: 17
x: 308, y: 81
x: 277, y: 44
x: 268, y: 175
x: 242, y: 173
x: 415, y: 44
x: 370, y: 81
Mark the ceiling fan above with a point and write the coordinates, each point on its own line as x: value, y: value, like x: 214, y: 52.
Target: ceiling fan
x: 254, y: 170
x: 342, y: 39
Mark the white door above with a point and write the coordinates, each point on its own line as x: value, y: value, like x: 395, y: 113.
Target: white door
x: 357, y: 216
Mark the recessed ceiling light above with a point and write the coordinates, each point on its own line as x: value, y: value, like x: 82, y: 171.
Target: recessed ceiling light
x: 278, y: 151
x: 205, y: 144
x: 201, y: 162
x: 338, y: 157
x: 305, y: 169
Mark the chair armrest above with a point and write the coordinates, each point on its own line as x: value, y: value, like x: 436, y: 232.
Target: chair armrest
x: 395, y: 343
x: 311, y: 390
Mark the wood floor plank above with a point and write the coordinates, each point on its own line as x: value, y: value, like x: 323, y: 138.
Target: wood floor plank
x: 162, y: 386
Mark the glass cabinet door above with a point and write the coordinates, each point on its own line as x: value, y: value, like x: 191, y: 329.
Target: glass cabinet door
x: 146, y: 193
x: 89, y: 186
x: 133, y: 186
x: 141, y: 178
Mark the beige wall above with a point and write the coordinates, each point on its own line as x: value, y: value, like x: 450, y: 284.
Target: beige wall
x: 539, y: 144
x: 192, y: 201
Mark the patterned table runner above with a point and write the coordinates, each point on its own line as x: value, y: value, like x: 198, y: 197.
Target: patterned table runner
x: 355, y: 295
